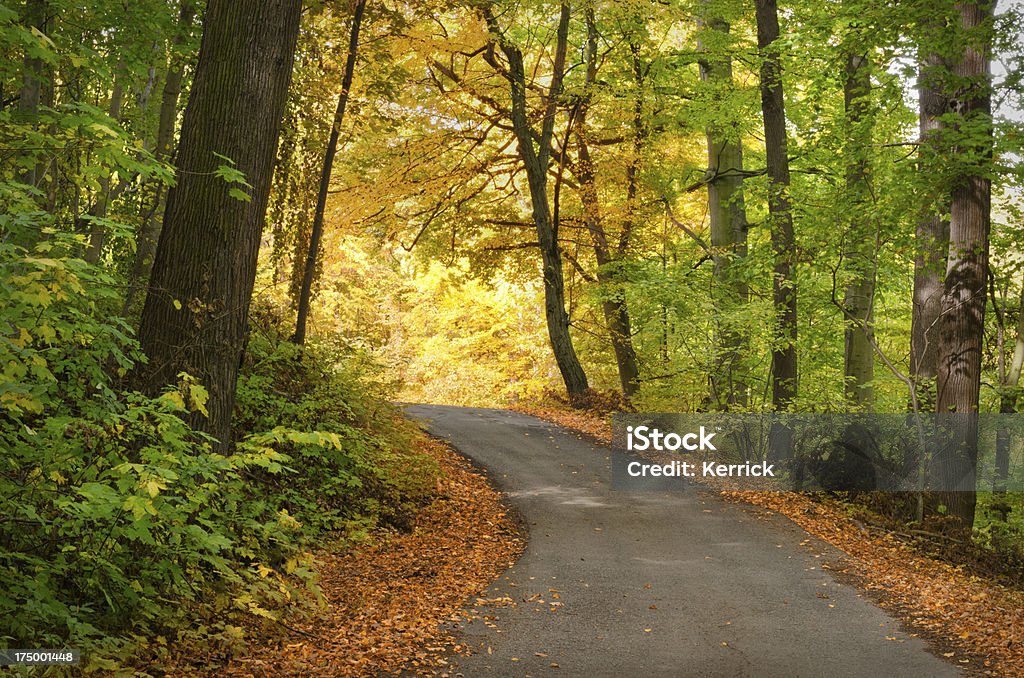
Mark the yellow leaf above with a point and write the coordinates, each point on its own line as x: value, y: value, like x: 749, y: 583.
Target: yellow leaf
x: 175, y: 399
x: 199, y: 395
x: 153, y: 487
x: 103, y: 129
x: 24, y: 338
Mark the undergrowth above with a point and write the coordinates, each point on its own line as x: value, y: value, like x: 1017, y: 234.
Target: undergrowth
x: 122, y: 531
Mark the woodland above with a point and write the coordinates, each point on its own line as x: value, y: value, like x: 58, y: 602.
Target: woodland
x: 234, y: 232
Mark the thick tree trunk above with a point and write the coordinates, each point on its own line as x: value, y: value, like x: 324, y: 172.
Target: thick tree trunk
x: 196, y: 311
x: 784, y: 358
x: 858, y: 299
x: 536, y: 161
x: 728, y: 217
x: 932, y: 239
x: 306, y: 290
x: 149, y: 230
x: 962, y: 319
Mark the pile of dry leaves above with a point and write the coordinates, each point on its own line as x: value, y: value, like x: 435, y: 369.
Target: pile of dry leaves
x: 976, y: 622
x: 388, y: 602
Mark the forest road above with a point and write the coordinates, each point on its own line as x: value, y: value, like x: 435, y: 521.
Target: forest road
x: 655, y: 584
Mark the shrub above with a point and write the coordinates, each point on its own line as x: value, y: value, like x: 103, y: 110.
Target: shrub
x: 373, y: 476
x: 118, y: 522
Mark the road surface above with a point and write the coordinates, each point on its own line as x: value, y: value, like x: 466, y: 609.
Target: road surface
x: 655, y: 583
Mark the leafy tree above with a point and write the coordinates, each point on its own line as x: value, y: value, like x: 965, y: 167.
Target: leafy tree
x: 784, y: 357
x: 726, y: 211
x: 607, y: 254
x: 859, y: 251
x: 149, y: 228
x: 195, y: 316
x: 535, y: 152
x: 962, y: 314
x: 306, y: 291
x: 932, y: 228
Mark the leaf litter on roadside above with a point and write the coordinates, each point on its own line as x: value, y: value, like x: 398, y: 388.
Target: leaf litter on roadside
x: 389, y: 603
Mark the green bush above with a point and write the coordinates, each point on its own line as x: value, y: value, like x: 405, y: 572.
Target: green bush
x: 119, y: 524
x: 372, y: 477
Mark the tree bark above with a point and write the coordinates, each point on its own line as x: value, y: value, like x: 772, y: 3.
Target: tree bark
x: 30, y: 96
x: 728, y: 217
x: 962, y: 319
x: 931, y: 235
x: 306, y: 290
x: 149, y: 230
x: 37, y: 15
x: 780, y: 216
x: 97, y: 231
x: 858, y: 299
x: 536, y: 161
x: 196, y: 311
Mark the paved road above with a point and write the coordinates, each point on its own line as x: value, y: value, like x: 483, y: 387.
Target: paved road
x: 655, y: 584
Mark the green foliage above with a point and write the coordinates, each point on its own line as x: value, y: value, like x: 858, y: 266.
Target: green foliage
x: 348, y: 452
x: 119, y: 521
x: 118, y: 518
x: 119, y: 524
x: 233, y: 177
x: 1004, y: 538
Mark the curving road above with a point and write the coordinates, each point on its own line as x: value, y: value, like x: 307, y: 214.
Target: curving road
x: 655, y: 584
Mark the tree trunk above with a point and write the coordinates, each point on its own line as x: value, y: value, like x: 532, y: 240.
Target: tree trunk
x: 932, y: 239
x: 629, y: 363
x: 306, y: 291
x: 962, y: 319
x: 728, y: 217
x: 614, y: 307
x: 149, y: 230
x: 37, y: 15
x: 784, y: 359
x: 30, y: 96
x: 97, y: 231
x: 858, y: 299
x: 536, y: 161
x: 196, y: 311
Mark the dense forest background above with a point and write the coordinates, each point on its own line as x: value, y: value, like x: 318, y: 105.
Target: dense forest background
x: 231, y: 232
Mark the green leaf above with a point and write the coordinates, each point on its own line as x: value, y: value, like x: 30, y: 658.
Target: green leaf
x: 239, y: 194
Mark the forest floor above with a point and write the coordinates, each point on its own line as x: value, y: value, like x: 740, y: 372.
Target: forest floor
x: 389, y: 603
x: 972, y: 619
